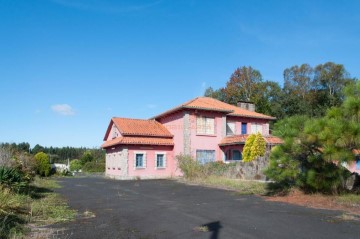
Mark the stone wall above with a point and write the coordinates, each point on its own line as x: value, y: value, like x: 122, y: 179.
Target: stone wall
x: 249, y: 170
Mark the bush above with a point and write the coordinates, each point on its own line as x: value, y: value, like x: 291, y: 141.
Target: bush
x: 43, y: 164
x: 12, y: 178
x: 94, y: 167
x: 75, y: 165
x: 189, y: 166
x: 87, y: 157
x: 218, y: 168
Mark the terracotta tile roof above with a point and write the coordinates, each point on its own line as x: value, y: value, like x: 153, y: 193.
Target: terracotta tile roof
x: 240, y: 139
x: 139, y: 127
x: 138, y: 141
x: 206, y: 103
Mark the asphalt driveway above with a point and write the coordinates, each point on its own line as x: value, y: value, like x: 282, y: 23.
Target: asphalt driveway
x: 168, y: 209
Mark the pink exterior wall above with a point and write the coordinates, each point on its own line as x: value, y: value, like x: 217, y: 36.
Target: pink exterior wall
x: 206, y: 142
x: 113, y: 130
x: 175, y: 124
x: 150, y: 171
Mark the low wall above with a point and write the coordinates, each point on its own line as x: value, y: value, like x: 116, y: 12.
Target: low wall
x: 249, y: 170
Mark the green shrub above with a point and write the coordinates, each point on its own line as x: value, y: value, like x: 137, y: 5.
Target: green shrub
x: 43, y: 164
x: 87, y: 157
x: 189, y: 166
x: 12, y: 178
x: 94, y: 167
x: 218, y: 168
x: 75, y: 165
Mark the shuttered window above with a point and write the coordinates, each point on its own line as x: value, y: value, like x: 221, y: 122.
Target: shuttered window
x: 205, y: 125
x: 205, y: 156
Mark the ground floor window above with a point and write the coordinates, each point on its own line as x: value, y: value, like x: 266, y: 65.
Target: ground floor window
x: 236, y: 155
x: 233, y: 154
x: 139, y: 160
x: 205, y: 156
x: 160, y: 160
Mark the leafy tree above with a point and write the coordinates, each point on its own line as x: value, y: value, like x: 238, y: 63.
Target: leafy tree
x: 37, y: 149
x: 243, y: 85
x: 75, y: 165
x: 216, y: 94
x: 87, y: 157
x: 269, y: 99
x: 246, y: 155
x: 43, y: 164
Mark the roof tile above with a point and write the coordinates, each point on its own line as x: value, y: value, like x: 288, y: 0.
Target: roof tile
x: 139, y: 141
x: 140, y: 127
x: 206, y: 103
x: 240, y: 139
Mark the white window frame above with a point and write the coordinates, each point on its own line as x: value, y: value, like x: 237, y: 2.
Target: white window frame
x: 164, y: 160
x: 256, y: 128
x: 228, y: 126
x: 201, y: 125
x: 144, y: 159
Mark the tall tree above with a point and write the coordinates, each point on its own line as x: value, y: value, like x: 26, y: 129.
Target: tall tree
x: 243, y: 85
x: 330, y: 79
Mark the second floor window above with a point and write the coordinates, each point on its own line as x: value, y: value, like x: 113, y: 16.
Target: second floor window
x: 230, y: 128
x: 256, y: 128
x: 205, y: 125
x: 244, y: 128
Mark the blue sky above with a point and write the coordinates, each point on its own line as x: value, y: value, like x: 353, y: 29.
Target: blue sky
x: 67, y: 67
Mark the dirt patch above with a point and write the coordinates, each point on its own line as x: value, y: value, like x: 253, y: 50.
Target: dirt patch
x: 314, y: 201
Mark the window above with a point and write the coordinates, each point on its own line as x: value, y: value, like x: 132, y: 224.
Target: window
x: 205, y: 125
x: 160, y: 160
x: 358, y: 162
x: 244, y: 128
x: 236, y: 155
x: 233, y: 155
x: 205, y: 156
x: 140, y: 160
x: 256, y: 128
x: 230, y: 128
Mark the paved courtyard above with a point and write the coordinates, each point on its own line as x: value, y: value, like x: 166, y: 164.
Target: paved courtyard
x: 168, y: 209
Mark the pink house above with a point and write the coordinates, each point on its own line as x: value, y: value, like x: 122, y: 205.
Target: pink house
x: 207, y: 129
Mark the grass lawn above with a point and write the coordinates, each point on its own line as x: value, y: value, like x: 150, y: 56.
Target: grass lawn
x: 238, y: 185
x: 38, y: 205
x: 349, y: 203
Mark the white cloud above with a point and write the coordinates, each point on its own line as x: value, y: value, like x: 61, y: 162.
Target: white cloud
x: 63, y: 109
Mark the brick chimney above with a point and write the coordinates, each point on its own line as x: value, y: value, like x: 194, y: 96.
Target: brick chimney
x: 246, y: 105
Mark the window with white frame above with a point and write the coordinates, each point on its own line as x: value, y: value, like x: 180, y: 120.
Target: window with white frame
x: 160, y: 160
x: 230, y: 128
x: 256, y: 128
x: 205, y: 125
x: 140, y: 160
